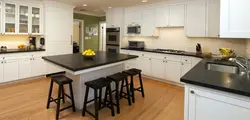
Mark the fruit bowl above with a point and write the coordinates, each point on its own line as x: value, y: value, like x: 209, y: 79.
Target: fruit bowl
x: 89, y: 54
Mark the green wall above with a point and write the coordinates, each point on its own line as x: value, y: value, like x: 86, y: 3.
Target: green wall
x: 90, y: 21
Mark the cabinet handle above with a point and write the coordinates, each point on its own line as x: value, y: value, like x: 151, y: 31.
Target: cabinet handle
x: 192, y: 92
x: 71, y: 39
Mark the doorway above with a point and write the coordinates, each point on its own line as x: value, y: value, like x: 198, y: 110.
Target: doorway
x: 78, y: 36
x: 102, y: 37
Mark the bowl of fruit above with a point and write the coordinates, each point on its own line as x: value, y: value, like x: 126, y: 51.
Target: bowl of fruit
x: 88, y: 53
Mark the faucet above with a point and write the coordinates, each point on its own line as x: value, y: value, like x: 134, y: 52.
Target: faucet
x: 242, y: 62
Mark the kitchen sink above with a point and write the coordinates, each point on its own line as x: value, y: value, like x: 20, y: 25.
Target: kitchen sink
x: 223, y: 68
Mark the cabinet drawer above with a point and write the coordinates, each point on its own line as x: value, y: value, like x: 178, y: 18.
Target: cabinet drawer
x: 187, y: 60
x: 175, y: 58
x: 158, y: 56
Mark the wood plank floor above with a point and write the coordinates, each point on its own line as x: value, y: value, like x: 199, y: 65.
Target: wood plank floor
x: 27, y: 101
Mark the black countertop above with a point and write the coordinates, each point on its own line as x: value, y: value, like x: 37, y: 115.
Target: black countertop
x: 233, y: 83
x: 76, y: 62
x: 19, y: 50
x: 191, y: 54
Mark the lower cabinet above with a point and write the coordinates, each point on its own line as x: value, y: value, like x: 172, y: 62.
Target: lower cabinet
x: 37, y: 66
x: 173, y: 71
x: 145, y: 65
x: 24, y: 68
x: 204, y: 104
x: 158, y: 68
x: 185, y: 68
x: 1, y: 72
x: 10, y: 70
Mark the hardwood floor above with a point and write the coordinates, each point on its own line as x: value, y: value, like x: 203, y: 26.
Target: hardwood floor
x: 27, y: 101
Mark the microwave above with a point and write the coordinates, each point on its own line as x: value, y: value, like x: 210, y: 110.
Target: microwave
x: 133, y: 29
x: 136, y: 44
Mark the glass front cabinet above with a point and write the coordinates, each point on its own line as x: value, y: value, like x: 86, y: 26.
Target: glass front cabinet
x: 20, y: 19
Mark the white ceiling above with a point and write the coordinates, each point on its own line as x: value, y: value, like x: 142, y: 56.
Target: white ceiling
x: 98, y: 6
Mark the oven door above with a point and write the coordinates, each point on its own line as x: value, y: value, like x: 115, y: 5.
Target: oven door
x: 113, y: 48
x: 113, y: 38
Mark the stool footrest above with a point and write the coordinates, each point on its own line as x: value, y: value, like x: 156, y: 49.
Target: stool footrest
x: 89, y: 113
x: 67, y: 96
x: 65, y: 108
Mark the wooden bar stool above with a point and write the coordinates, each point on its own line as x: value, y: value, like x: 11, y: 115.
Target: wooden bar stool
x: 61, y: 80
x: 98, y: 84
x: 117, y: 78
x: 133, y: 72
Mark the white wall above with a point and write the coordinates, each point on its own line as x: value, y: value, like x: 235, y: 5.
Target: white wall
x: 175, y: 38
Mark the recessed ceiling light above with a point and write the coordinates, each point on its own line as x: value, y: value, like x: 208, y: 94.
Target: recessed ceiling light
x: 144, y: 1
x: 84, y: 5
x: 110, y: 7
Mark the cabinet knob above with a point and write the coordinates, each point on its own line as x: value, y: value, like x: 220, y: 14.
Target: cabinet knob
x: 192, y: 92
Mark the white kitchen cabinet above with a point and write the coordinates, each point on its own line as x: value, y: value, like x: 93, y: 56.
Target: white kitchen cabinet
x: 133, y: 17
x: 213, y: 18
x: 195, y: 61
x: 158, y: 68
x: 173, y: 71
x: 148, y: 27
x: 185, y: 67
x: 162, y: 16
x: 36, y: 20
x: 176, y: 15
x: 204, y: 104
x: 145, y: 65
x: 10, y: 18
x: 234, y: 19
x: 195, y: 25
x: 10, y: 71
x: 1, y: 72
x: 115, y: 17
x: 37, y: 66
x: 24, y: 68
x: 1, y: 18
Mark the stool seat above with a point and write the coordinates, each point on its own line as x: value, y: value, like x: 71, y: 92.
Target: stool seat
x: 98, y: 83
x: 117, y: 77
x: 61, y: 79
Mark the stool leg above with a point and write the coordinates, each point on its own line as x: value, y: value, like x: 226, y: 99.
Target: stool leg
x: 128, y: 93
x: 117, y: 97
x: 141, y: 83
x: 111, y: 101
x: 58, y: 102
x: 100, y: 98
x: 72, y: 97
x: 85, y: 101
x: 132, y: 88
x: 121, y: 91
x: 63, y: 98
x: 50, y: 92
x: 96, y: 105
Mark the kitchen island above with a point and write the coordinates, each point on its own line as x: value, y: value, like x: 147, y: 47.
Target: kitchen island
x: 81, y: 69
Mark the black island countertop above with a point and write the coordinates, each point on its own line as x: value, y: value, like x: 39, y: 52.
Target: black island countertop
x: 228, y: 82
x: 19, y: 50
x: 191, y: 54
x: 76, y: 62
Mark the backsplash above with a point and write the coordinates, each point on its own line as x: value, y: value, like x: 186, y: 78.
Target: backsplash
x: 12, y: 41
x: 248, y: 48
x: 175, y: 38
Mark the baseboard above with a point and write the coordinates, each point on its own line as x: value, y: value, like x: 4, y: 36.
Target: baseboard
x: 165, y: 81
x: 22, y: 80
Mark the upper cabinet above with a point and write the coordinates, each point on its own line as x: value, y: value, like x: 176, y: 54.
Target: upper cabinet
x: 235, y: 19
x: 171, y: 16
x: 115, y: 17
x: 218, y: 18
x: 21, y: 18
x: 148, y: 27
x: 10, y: 18
x: 133, y: 17
x: 1, y: 9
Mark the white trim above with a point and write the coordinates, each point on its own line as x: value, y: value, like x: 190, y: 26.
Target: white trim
x: 88, y: 13
x: 81, y: 41
x: 102, y: 42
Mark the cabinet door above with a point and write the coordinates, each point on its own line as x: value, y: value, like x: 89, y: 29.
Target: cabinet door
x: 196, y: 18
x: 133, y: 17
x: 36, y: 20
x: 158, y: 68
x: 173, y: 71
x: 1, y: 20
x: 24, y: 68
x: 10, y: 70
x: 10, y: 18
x: 185, y: 68
x: 176, y: 16
x: 23, y: 19
x: 213, y: 18
x: 1, y: 72
x: 162, y: 17
x: 205, y: 105
x: 234, y: 22
x: 145, y: 65
x: 110, y: 18
x: 37, y: 67
x: 148, y: 27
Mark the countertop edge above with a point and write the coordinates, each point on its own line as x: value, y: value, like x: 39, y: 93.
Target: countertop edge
x: 18, y: 51
x: 75, y: 70
x: 182, y: 54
